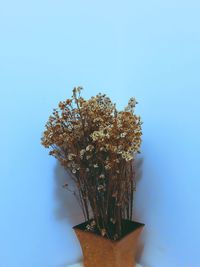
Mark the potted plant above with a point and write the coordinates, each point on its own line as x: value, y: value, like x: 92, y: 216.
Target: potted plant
x: 97, y: 144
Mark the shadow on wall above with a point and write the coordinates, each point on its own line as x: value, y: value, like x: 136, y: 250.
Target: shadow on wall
x: 67, y: 207
x: 138, y: 214
x: 138, y: 169
x: 138, y: 177
x: 142, y: 201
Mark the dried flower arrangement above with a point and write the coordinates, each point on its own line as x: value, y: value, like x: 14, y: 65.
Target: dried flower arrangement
x: 97, y: 144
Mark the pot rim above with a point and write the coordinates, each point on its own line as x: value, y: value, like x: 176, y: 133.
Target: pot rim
x: 139, y: 225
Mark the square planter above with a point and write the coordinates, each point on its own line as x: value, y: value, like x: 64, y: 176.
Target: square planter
x: 99, y: 251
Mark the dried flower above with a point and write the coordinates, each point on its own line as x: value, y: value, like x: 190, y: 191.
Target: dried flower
x: 97, y: 144
x: 131, y: 105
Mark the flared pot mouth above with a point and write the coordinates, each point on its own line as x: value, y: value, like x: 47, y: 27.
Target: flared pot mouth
x: 128, y: 228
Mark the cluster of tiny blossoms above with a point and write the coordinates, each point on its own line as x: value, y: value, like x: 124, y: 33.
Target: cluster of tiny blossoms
x: 92, y: 139
x: 94, y: 131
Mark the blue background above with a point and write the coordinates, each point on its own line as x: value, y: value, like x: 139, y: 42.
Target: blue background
x: 146, y: 49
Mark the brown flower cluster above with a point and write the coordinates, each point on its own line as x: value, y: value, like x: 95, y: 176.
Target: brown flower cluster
x: 98, y: 145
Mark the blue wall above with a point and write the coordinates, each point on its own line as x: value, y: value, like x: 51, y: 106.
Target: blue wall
x: 146, y: 49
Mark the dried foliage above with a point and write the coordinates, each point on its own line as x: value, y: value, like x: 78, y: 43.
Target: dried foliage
x: 97, y: 144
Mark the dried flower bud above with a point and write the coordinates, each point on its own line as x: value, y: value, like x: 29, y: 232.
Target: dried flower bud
x: 101, y: 187
x: 89, y: 148
x: 115, y: 237
x: 102, y: 176
x: 113, y: 220
x: 108, y: 167
x: 88, y: 227
x: 122, y: 135
x: 103, y: 232
x: 114, y: 194
x: 93, y: 223
x: 71, y: 156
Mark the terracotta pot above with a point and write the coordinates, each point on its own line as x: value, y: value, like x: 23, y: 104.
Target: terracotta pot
x: 102, y: 252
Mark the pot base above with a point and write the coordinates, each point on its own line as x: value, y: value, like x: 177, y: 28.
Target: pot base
x: 81, y: 265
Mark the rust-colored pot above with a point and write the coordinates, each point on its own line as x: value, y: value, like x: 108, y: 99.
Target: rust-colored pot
x: 102, y: 252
